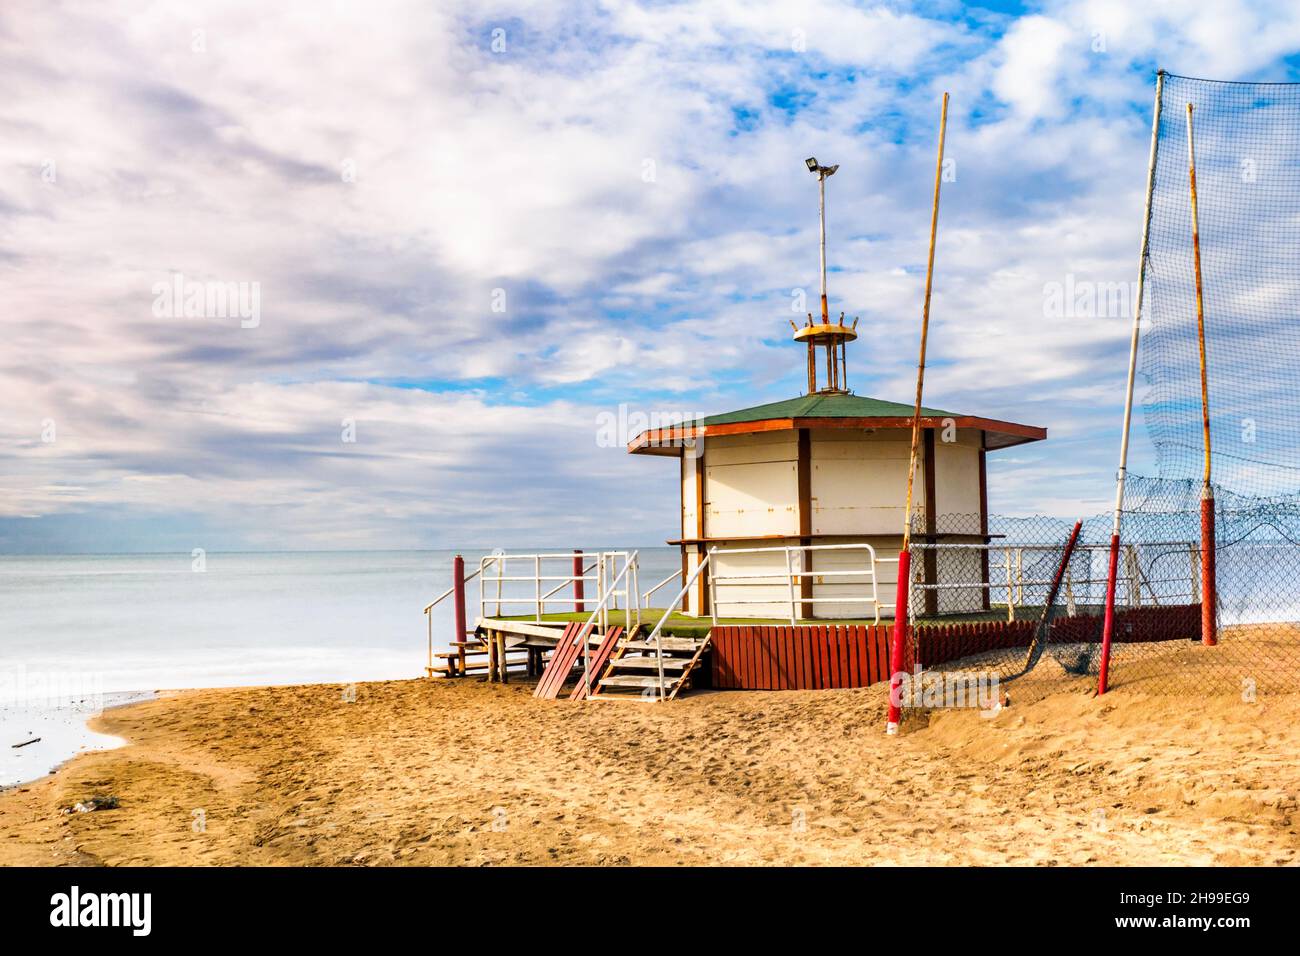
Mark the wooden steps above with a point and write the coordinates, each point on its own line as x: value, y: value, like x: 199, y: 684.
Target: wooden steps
x: 598, y: 658
x: 634, y: 668
x: 635, y: 680
x: 458, y: 663
x: 669, y: 644
x: 671, y: 664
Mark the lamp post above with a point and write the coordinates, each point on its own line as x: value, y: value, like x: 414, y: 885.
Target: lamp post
x: 822, y: 172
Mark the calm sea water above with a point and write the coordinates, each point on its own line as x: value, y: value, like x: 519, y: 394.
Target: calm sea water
x: 78, y: 631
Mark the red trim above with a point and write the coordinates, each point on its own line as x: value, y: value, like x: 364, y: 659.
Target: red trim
x: 667, y: 441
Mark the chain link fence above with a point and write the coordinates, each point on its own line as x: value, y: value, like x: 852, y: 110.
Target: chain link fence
x: 999, y: 605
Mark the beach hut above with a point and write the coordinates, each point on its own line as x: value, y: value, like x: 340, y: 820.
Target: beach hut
x: 801, y: 501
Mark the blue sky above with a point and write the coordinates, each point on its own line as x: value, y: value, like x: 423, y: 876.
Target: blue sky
x: 475, y: 228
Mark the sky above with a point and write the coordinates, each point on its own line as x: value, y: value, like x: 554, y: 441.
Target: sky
x: 459, y: 236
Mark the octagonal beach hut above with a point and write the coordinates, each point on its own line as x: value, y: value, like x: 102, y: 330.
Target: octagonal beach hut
x: 793, y: 496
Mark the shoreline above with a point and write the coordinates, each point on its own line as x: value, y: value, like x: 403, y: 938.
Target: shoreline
x: 467, y: 773
x: 63, y: 731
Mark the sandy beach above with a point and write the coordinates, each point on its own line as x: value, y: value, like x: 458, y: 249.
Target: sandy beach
x: 467, y: 773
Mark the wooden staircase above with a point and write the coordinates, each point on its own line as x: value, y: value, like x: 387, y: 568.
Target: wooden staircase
x: 633, y: 670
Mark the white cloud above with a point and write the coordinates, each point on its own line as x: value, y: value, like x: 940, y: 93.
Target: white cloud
x: 628, y: 176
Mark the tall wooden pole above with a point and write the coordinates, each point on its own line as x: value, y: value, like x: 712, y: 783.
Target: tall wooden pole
x: 1209, y: 590
x: 897, y: 653
x: 1108, y: 626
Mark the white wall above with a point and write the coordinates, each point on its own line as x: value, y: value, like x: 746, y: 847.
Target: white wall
x: 858, y: 488
x: 957, y: 474
x: 859, y: 481
x: 751, y: 485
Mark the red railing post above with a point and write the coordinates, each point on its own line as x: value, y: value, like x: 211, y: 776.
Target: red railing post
x: 458, y: 600
x: 578, y: 591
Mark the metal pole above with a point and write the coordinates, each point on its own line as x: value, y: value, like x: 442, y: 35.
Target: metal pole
x: 821, y: 210
x: 1011, y: 596
x: 904, y: 556
x: 1209, y: 590
x: 1108, y: 628
x: 789, y: 579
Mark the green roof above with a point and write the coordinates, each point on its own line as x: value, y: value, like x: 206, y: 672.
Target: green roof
x: 823, y: 406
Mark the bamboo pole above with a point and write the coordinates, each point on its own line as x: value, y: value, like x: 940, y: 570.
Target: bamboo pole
x: 904, y: 557
x: 1209, y: 590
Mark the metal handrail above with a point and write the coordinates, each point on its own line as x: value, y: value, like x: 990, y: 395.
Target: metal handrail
x: 646, y: 596
x: 585, y: 631
x: 448, y: 593
x: 655, y: 634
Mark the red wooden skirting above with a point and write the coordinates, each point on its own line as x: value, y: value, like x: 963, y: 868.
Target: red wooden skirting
x: 780, y: 657
x: 817, y: 657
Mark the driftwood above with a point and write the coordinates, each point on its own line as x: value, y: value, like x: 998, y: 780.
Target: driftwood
x: 34, y: 740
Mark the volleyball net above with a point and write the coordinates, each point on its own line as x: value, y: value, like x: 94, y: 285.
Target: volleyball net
x: 1217, y: 390
x: 1192, y: 585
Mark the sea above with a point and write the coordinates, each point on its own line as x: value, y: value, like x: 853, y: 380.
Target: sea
x: 79, y: 633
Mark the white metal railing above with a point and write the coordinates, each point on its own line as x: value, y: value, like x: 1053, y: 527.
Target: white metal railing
x: 428, y: 614
x: 794, y: 574
x: 497, y: 572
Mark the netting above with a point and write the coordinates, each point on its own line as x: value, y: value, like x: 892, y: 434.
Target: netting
x: 1247, y: 138
x: 981, y: 603
x: 996, y: 605
x: 1247, y: 150
x: 983, y: 608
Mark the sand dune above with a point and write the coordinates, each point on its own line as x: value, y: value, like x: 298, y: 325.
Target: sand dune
x: 466, y: 773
